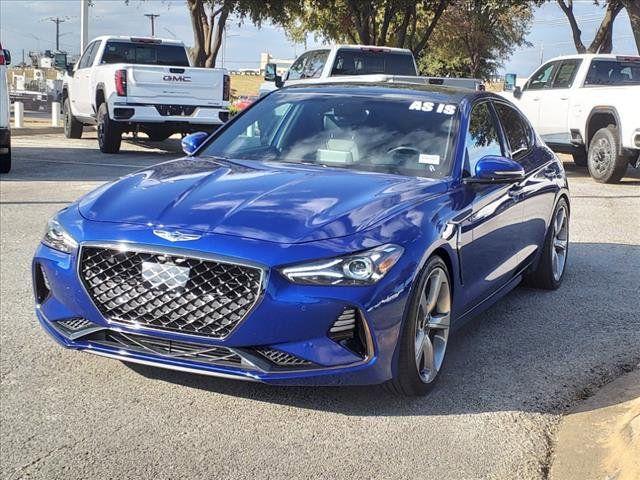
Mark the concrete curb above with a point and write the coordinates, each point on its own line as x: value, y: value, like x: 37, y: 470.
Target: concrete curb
x: 600, y: 438
x: 26, y: 131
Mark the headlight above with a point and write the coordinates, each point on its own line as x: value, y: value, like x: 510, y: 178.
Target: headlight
x: 364, y: 268
x: 58, y: 238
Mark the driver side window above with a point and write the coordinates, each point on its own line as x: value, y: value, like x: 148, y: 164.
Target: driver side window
x: 482, y: 137
x: 297, y: 69
x: 542, y: 78
x: 87, y: 56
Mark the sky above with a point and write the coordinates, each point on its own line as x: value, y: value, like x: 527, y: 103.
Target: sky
x: 26, y: 24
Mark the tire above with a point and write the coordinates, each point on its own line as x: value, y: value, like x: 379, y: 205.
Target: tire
x: 72, y: 127
x: 606, y: 164
x: 109, y: 134
x: 413, y: 378
x: 580, y: 157
x: 158, y: 134
x: 5, y: 161
x: 556, y: 248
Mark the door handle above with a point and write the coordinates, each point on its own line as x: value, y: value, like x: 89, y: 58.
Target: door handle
x: 535, y: 99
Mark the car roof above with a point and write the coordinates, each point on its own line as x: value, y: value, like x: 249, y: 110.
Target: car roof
x: 128, y: 38
x: 374, y: 89
x: 589, y: 56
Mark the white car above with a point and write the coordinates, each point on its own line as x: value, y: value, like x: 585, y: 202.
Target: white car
x: 340, y: 61
x: 129, y: 84
x: 5, y: 125
x: 588, y: 106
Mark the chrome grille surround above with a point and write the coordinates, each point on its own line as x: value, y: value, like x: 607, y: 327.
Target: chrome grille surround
x: 218, y: 295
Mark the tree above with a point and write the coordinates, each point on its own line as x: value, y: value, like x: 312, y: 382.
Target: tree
x: 603, y: 40
x: 474, y: 37
x: 633, y: 9
x: 398, y: 23
x: 209, y: 19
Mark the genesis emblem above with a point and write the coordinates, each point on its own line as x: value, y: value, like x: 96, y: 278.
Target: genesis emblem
x: 176, y: 236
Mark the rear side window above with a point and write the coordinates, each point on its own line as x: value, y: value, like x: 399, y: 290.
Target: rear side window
x: 482, y: 137
x: 542, y: 78
x: 566, y: 73
x: 145, y: 54
x: 613, y: 72
x: 515, y: 128
x: 367, y: 62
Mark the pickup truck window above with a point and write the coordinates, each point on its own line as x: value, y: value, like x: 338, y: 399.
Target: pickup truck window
x: 613, y: 72
x: 295, y: 71
x: 89, y: 54
x: 566, y: 73
x: 542, y: 78
x: 145, y: 54
x: 366, y: 62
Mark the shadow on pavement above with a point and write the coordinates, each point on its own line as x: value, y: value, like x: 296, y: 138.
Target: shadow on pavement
x: 632, y: 177
x: 535, y: 350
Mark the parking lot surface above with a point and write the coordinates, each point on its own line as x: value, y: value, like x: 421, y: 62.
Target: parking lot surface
x: 509, y: 375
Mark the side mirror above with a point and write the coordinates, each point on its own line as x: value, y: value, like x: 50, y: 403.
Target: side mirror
x: 279, y: 82
x: 192, y: 142
x: 70, y: 68
x: 270, y: 72
x: 496, y: 169
x: 7, y: 57
x: 517, y: 92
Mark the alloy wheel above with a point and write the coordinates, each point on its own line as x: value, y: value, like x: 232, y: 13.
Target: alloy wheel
x: 560, y: 242
x: 602, y: 155
x: 432, y: 325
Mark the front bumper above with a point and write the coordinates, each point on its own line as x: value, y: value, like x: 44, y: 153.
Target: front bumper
x: 291, y: 319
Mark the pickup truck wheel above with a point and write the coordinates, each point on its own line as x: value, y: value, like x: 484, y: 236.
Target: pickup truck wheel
x: 580, y: 157
x: 606, y: 165
x: 158, y: 134
x: 72, y: 127
x: 109, y: 133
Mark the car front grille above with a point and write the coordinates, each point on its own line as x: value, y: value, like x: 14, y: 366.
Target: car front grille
x: 168, y: 291
x: 175, y: 110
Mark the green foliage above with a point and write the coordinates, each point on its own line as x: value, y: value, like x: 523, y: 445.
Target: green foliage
x: 474, y: 37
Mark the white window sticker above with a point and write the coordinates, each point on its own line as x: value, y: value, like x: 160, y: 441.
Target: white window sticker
x: 429, y: 159
x: 443, y: 108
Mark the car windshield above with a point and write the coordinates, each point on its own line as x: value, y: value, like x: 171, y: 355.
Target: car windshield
x: 382, y: 133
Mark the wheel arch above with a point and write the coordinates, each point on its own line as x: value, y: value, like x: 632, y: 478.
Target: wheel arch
x: 100, y: 97
x: 601, y: 117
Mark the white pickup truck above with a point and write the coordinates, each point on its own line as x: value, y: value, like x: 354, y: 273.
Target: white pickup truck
x: 588, y: 106
x: 129, y: 84
x: 341, y: 61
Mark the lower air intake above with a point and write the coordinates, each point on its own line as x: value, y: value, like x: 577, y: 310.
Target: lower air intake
x: 75, y: 324
x: 349, y: 331
x: 282, y: 359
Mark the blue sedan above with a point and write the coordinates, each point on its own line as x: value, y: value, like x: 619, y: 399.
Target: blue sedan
x: 328, y: 235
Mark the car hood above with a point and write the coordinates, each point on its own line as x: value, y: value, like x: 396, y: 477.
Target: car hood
x: 277, y: 202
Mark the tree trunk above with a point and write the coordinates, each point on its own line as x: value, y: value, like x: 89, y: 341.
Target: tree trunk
x: 603, y: 41
x: 196, y: 10
x: 633, y: 9
x: 575, y: 30
x: 217, y: 38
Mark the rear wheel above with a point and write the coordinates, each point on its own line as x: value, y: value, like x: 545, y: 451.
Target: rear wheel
x: 72, y: 127
x: 553, y: 259
x: 607, y: 163
x: 158, y: 134
x: 425, y: 332
x: 109, y: 133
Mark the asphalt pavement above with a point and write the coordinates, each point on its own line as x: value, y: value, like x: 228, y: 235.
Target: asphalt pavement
x: 509, y: 375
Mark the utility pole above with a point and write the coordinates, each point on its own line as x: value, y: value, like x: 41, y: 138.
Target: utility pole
x: 84, y: 24
x: 57, y: 21
x: 541, y: 53
x: 152, y: 17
